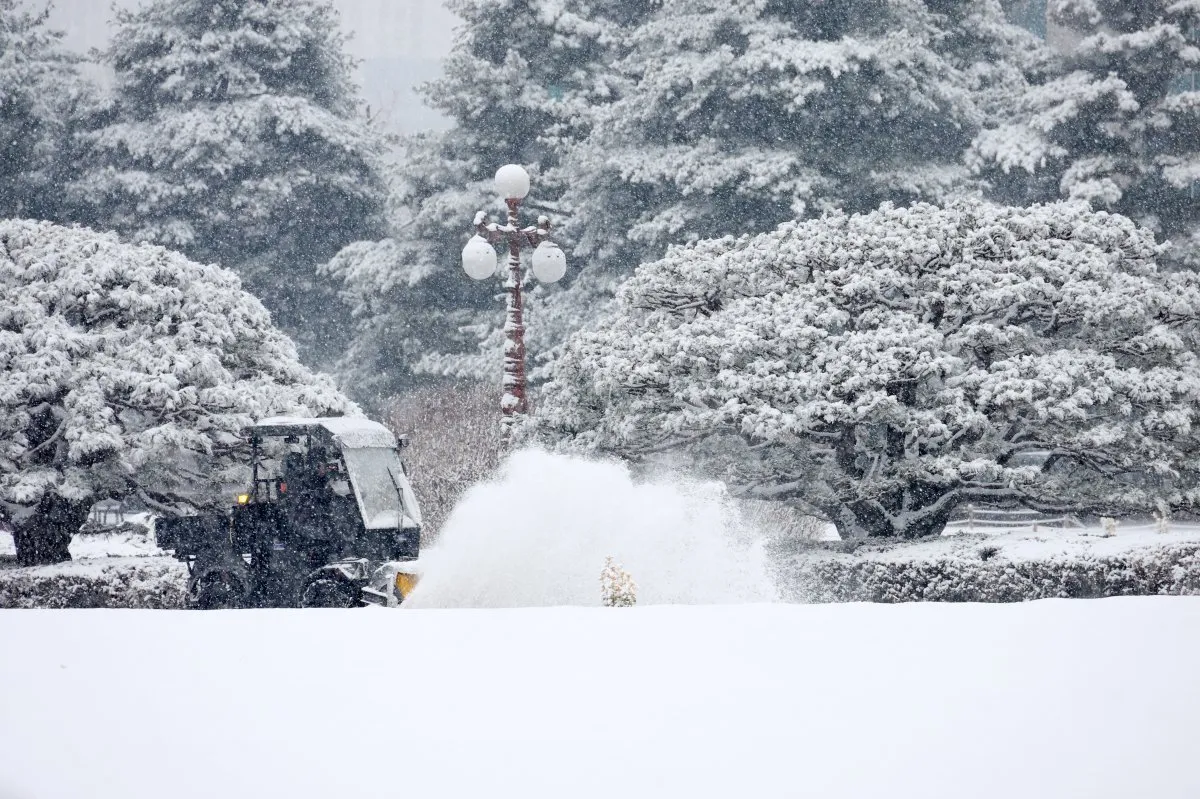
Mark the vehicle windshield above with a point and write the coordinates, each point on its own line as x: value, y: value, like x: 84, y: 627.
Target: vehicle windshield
x: 384, y: 496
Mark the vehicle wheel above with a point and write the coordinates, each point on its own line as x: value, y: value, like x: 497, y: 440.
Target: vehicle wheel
x: 326, y: 592
x: 218, y: 591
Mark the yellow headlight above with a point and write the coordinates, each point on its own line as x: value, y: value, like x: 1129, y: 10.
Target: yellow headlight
x: 243, y: 499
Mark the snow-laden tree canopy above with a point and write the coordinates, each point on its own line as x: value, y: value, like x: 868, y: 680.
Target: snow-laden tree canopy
x: 130, y: 370
x: 1113, y: 120
x: 734, y: 116
x: 651, y: 123
x: 517, y: 93
x: 235, y: 137
x: 883, y: 368
x: 40, y: 90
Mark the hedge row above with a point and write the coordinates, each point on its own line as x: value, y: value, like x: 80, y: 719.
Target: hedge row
x: 154, y: 583
x: 989, y: 576
x: 814, y: 575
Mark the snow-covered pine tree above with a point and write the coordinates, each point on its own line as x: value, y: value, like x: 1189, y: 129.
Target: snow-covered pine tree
x: 1114, y: 118
x: 736, y: 115
x: 236, y: 138
x: 617, y: 588
x: 731, y: 117
x: 41, y: 95
x: 518, y: 84
x: 128, y: 370
x: 880, y: 369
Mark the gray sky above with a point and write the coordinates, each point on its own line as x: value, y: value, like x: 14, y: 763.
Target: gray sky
x: 400, y: 43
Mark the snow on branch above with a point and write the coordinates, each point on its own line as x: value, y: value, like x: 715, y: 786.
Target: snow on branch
x: 132, y: 370
x: 897, y: 363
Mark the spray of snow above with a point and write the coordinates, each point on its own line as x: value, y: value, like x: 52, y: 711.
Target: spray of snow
x: 539, y: 535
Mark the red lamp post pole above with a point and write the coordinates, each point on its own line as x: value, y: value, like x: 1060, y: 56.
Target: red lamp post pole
x: 515, y: 399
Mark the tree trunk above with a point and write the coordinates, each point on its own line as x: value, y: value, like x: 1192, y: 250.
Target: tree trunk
x: 875, y: 519
x: 861, y: 520
x: 45, y: 537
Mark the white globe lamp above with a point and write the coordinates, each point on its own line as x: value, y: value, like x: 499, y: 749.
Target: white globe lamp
x: 479, y: 258
x: 512, y: 182
x: 549, y: 262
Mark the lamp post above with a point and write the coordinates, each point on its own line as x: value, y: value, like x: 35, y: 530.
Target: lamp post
x: 479, y: 262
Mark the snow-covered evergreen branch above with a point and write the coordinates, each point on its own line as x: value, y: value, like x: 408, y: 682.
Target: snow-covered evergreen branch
x: 886, y: 367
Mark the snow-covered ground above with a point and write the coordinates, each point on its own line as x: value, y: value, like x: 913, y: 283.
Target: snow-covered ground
x: 1045, y: 699
x: 124, y: 543
x: 89, y: 546
x: 1027, y: 544
x: 468, y: 691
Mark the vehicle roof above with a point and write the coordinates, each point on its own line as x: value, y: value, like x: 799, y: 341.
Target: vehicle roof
x: 349, y: 432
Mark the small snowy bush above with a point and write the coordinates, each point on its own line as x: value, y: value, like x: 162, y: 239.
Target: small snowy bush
x: 617, y: 588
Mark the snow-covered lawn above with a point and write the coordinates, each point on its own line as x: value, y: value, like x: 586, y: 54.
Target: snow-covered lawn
x: 114, y: 545
x: 1040, y: 544
x: 1045, y: 699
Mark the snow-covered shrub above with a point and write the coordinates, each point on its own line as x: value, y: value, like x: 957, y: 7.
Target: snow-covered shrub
x: 896, y: 576
x: 454, y: 442
x: 128, y: 370
x: 617, y: 588
x: 883, y: 368
x: 1109, y: 524
x: 154, y: 583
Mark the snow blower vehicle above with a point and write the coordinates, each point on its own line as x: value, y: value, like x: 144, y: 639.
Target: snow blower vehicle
x: 330, y: 520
